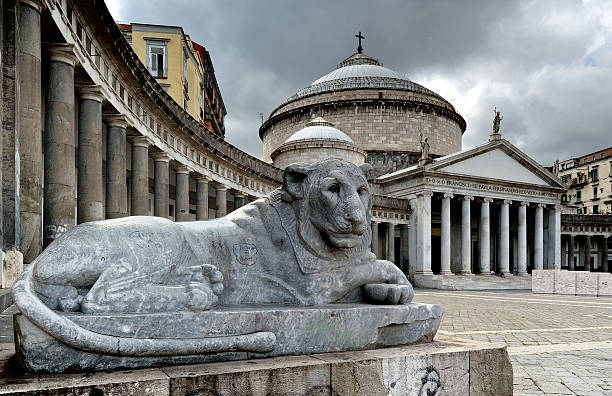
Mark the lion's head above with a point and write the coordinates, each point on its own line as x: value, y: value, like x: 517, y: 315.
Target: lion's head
x: 332, y: 203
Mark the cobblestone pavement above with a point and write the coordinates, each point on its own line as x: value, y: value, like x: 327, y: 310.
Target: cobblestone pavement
x: 558, y: 345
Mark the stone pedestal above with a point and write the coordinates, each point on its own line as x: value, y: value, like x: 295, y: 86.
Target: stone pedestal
x: 90, y: 186
x: 161, y: 191
x: 59, y: 159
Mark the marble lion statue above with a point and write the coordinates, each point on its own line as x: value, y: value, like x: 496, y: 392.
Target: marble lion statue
x: 307, y: 243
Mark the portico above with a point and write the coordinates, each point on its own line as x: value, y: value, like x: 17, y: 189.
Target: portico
x: 488, y: 210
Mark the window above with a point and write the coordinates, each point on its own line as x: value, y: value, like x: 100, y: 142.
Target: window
x: 157, y: 58
x: 88, y: 44
x: 79, y: 30
x: 594, y: 173
x: 595, y: 209
x: 595, y: 188
x: 578, y: 195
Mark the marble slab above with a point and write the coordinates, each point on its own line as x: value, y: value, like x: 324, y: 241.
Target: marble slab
x: 586, y: 283
x: 543, y: 281
x: 565, y: 282
x: 604, y: 287
x: 298, y: 330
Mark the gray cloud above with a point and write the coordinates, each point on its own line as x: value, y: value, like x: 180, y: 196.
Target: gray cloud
x: 546, y: 64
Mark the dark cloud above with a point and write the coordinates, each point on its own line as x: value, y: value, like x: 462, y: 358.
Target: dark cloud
x: 546, y: 64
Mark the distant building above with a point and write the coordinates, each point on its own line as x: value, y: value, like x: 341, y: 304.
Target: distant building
x: 182, y: 67
x: 589, y: 181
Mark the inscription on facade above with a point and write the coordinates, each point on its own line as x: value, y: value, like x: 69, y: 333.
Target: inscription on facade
x: 489, y: 187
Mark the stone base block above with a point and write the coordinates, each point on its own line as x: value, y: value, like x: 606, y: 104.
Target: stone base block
x: 586, y: 283
x: 471, y: 282
x: 565, y: 282
x: 10, y: 268
x: 604, y: 287
x: 298, y: 330
x: 543, y: 281
x: 444, y: 367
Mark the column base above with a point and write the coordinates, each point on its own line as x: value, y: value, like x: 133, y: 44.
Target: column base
x: 522, y: 274
x: 466, y: 273
x: 446, y: 273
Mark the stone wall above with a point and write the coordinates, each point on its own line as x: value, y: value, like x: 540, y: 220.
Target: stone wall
x: 311, y: 151
x: 375, y: 126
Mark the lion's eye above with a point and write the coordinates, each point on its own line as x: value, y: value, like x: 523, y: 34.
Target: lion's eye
x: 334, y: 188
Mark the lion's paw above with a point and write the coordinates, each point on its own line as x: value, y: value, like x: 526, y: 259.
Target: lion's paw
x: 386, y: 293
x: 206, y: 286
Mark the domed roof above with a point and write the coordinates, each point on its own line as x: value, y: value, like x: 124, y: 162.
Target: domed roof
x: 360, y: 71
x: 319, y: 129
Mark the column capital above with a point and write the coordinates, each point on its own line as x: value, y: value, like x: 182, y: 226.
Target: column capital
x: 202, y: 178
x: 540, y: 205
x: 448, y: 195
x: 239, y: 194
x: 390, y: 224
x: 115, y: 120
x: 425, y: 193
x: 375, y: 222
x: 140, y: 141
x: 556, y: 207
x: 90, y: 92
x: 404, y: 226
x: 160, y: 157
x: 487, y: 200
x: 61, y: 53
x: 38, y: 5
x: 468, y: 197
x: 183, y: 169
x: 507, y: 201
x: 524, y: 203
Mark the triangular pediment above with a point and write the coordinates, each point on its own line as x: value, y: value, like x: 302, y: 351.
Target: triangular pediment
x: 499, y: 160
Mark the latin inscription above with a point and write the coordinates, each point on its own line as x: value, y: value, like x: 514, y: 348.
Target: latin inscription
x: 489, y: 187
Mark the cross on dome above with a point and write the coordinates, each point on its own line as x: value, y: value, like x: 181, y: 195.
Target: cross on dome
x: 359, y: 47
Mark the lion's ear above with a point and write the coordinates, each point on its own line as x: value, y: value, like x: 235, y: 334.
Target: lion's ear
x: 293, y: 179
x: 367, y: 170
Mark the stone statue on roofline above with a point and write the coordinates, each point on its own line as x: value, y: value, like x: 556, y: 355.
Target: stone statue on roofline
x: 425, y: 158
x: 287, y: 274
x: 496, y: 121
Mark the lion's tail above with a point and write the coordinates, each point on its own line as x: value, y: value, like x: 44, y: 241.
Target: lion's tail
x: 74, y: 335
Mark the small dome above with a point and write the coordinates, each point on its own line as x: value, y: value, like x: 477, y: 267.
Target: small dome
x: 321, y: 130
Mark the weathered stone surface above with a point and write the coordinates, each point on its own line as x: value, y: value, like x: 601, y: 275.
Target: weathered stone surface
x: 543, y: 281
x: 586, y: 283
x: 604, y: 281
x: 12, y: 267
x: 450, y: 366
x: 297, y: 330
x: 305, y: 244
x: 565, y: 282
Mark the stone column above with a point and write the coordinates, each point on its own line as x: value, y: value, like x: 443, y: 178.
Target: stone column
x: 182, y: 194
x: 424, y: 234
x: 412, y: 238
x: 570, y: 253
x: 140, y: 176
x: 538, y: 248
x: 550, y: 243
x: 404, y: 236
x: 522, y: 239
x: 90, y: 186
x: 391, y: 242
x: 600, y: 254
x: 604, y: 258
x: 587, y: 253
x: 161, y: 189
x: 504, y: 243
x: 557, y: 237
x: 116, y: 173
x: 375, y: 239
x: 29, y: 130
x: 484, y: 237
x: 581, y: 260
x: 60, y: 170
x: 221, y: 201
x: 202, y: 198
x: 466, y: 236
x: 445, y: 237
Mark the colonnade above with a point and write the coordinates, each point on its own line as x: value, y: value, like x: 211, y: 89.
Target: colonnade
x: 420, y: 242
x: 586, y: 252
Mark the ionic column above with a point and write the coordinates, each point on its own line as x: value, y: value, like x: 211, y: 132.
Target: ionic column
x: 29, y: 197
x: 90, y: 186
x: 587, y: 253
x: 161, y: 189
x: 182, y: 193
x: 404, y: 236
x: 140, y: 176
x: 466, y: 236
x: 570, y: 259
x: 424, y: 233
x: 375, y: 239
x: 538, y: 247
x: 202, y: 198
x: 522, y: 238
x: 59, y: 174
x: 557, y: 236
x: 391, y: 242
x: 221, y: 201
x: 484, y: 237
x: 445, y: 237
x: 504, y: 243
x: 238, y: 200
x: 116, y: 173
x: 412, y: 237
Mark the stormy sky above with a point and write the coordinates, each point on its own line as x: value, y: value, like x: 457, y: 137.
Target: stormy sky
x: 547, y: 65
